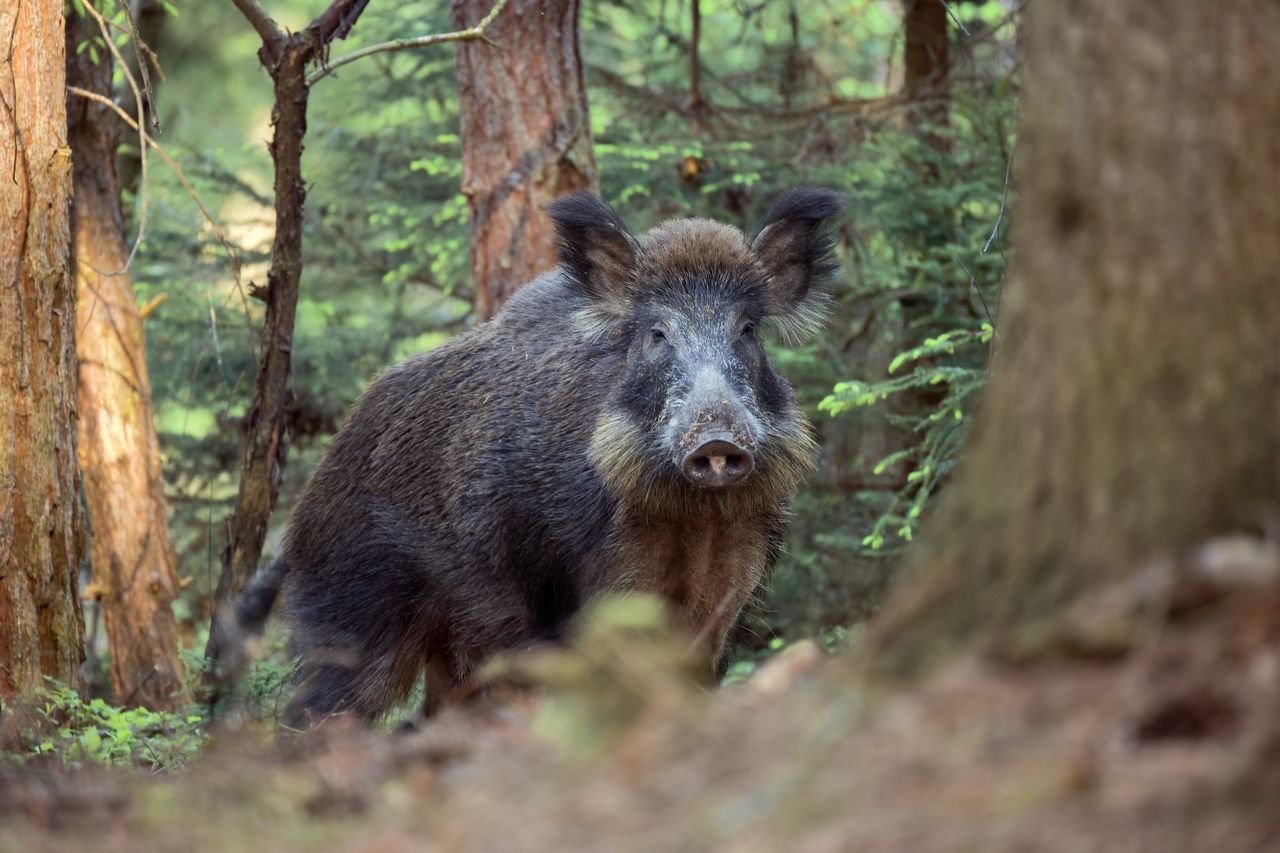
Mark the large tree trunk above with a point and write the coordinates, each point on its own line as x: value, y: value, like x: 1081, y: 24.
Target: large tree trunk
x: 927, y: 67
x: 41, y: 626
x: 133, y: 560
x: 1135, y: 407
x: 526, y: 138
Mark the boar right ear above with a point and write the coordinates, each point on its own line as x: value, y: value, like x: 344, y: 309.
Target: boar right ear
x: 798, y: 251
x: 595, y: 248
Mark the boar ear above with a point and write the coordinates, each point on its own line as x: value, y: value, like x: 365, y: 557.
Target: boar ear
x: 797, y: 251
x: 594, y: 248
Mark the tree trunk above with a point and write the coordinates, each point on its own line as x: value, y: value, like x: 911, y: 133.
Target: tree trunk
x: 927, y: 66
x: 134, y: 566
x: 267, y: 446
x: 286, y: 57
x: 1135, y: 406
x: 41, y: 626
x: 526, y: 138
x: 697, y: 106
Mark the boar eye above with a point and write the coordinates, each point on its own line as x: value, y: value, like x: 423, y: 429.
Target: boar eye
x: 657, y: 336
x: 748, y: 330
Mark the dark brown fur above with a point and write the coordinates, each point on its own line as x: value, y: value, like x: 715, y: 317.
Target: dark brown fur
x: 479, y: 494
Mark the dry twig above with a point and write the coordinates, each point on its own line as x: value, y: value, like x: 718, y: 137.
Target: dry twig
x: 105, y: 29
x: 476, y: 33
x: 177, y: 171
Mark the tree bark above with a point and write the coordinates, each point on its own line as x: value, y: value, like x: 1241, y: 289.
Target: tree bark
x: 1135, y: 404
x: 526, y: 138
x: 41, y: 625
x: 134, y: 565
x: 267, y: 446
x: 928, y: 73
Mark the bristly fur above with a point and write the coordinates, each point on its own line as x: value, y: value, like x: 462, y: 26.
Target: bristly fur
x: 804, y: 320
x: 235, y: 631
x: 794, y: 243
x: 595, y: 248
x: 480, y: 494
x: 635, y: 469
x: 790, y: 252
x: 578, y: 213
x: 810, y: 204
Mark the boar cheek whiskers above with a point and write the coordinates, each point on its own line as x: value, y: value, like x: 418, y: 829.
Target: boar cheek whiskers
x: 595, y: 324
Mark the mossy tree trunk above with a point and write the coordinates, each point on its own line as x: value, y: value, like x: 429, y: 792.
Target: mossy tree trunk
x: 41, y: 536
x: 526, y: 138
x: 1134, y: 408
x: 134, y: 565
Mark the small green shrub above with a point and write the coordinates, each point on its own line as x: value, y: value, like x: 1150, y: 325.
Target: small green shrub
x: 939, y: 432
x: 65, y: 726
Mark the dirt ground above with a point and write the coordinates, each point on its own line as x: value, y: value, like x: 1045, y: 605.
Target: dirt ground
x: 1148, y: 718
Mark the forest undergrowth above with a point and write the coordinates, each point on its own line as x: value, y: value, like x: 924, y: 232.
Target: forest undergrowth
x: 1142, y: 718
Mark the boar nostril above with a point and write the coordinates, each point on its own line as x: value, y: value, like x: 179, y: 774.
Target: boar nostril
x: 717, y: 463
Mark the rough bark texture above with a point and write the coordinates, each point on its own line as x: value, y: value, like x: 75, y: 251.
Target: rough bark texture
x: 1135, y: 405
x: 927, y: 67
x: 285, y: 56
x: 134, y: 566
x: 41, y: 626
x: 526, y: 138
x: 267, y: 442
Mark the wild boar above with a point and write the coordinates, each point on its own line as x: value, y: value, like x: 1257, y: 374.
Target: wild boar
x: 616, y: 427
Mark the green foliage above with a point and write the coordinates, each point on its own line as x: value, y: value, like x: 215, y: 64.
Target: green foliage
x: 386, y: 270
x: 78, y: 732
x: 265, y: 685
x: 936, y: 217
x: 939, y: 430
x: 267, y: 688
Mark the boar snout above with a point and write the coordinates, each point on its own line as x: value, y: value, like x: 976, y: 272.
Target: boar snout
x: 717, y: 462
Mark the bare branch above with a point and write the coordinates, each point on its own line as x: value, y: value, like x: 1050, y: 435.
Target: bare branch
x: 476, y: 33
x: 155, y: 60
x: 136, y: 41
x: 142, y: 146
x: 267, y: 28
x: 336, y: 21
x: 951, y: 13
x: 182, y: 178
x: 1004, y: 196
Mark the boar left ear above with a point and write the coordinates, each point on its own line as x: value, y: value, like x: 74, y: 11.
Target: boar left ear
x: 595, y: 248
x: 796, y: 251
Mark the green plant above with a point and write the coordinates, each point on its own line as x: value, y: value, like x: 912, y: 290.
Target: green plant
x: 74, y: 731
x: 939, y: 430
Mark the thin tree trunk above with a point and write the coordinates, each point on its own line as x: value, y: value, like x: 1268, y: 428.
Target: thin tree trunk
x: 41, y: 537
x: 267, y: 445
x: 697, y: 106
x: 526, y: 138
x: 286, y: 57
x: 134, y: 566
x: 1135, y: 407
x: 927, y: 67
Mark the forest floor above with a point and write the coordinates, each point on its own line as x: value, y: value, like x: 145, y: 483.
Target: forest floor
x: 1145, y: 718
